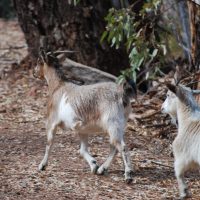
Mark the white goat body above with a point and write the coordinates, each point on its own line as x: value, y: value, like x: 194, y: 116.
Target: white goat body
x: 80, y: 107
x: 186, y: 146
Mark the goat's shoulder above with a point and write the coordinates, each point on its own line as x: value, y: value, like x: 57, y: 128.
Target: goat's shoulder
x: 56, y: 96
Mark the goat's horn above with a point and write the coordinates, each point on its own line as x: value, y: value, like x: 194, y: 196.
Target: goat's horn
x: 196, y: 91
x: 59, y: 52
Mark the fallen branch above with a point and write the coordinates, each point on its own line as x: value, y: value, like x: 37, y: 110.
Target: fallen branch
x: 154, y: 162
x: 161, y: 164
x: 146, y: 115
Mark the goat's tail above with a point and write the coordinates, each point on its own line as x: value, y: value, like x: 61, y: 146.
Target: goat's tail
x: 130, y: 91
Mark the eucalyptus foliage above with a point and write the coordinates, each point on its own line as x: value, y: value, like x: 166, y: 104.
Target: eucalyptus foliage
x: 139, y: 32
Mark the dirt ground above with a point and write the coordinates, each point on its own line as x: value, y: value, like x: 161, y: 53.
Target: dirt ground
x: 22, y: 143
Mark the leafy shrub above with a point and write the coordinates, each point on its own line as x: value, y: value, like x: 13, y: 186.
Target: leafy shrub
x: 140, y: 34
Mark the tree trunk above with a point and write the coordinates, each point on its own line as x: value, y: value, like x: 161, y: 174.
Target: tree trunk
x: 60, y: 25
x: 85, y: 74
x: 184, y: 19
x: 194, y: 17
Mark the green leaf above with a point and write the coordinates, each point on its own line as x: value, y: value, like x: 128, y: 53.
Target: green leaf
x: 123, y: 28
x: 113, y: 41
x: 140, y: 62
x: 164, y: 49
x: 133, y: 52
x: 76, y: 2
x: 134, y: 77
x: 120, y: 79
x: 155, y: 51
x: 105, y: 33
x: 138, y: 34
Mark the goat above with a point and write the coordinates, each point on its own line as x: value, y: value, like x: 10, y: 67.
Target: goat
x: 86, y: 109
x: 180, y: 102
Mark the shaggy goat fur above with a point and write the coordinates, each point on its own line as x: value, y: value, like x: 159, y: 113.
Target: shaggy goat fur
x: 86, y: 110
x: 186, y: 146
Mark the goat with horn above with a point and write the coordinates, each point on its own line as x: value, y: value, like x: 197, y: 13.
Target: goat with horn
x: 86, y: 109
x: 181, y: 104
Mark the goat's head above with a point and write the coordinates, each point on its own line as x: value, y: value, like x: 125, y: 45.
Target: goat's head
x: 169, y: 106
x: 175, y: 94
x: 45, y: 60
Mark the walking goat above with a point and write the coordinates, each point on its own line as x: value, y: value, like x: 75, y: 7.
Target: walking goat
x: 86, y: 109
x: 186, y: 146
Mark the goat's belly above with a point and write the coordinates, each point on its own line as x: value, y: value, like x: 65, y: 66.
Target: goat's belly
x: 90, y: 129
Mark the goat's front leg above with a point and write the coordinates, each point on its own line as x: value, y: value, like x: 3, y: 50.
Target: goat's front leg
x: 180, y: 167
x: 84, y: 152
x: 104, y: 167
x: 51, y: 128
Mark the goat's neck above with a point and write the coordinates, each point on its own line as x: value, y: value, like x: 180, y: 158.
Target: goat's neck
x: 183, y: 115
x: 52, y: 79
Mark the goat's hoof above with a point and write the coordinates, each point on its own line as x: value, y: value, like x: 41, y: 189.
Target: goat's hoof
x: 128, y: 177
x: 95, y: 169
x: 183, y: 198
x: 187, y: 194
x: 42, y: 167
x: 102, y: 171
x: 128, y: 180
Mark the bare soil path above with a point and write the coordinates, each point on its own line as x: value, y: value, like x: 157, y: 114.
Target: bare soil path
x: 23, y: 139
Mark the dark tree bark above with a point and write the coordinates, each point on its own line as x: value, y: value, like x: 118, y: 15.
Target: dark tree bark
x: 60, y: 25
x: 194, y: 18
x: 184, y: 20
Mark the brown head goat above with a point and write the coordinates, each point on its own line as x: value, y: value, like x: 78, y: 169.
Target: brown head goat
x: 186, y: 146
x: 86, y: 109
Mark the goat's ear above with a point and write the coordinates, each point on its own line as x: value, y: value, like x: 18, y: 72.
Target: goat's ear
x: 179, y: 92
x: 180, y: 74
x: 130, y: 87
x: 172, y: 88
x: 43, y: 55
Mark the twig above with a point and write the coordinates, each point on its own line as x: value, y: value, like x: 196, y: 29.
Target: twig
x: 155, y: 125
x: 161, y: 164
x: 154, y: 162
x: 14, y: 47
x: 59, y: 52
x: 146, y: 115
x: 24, y: 121
x: 7, y: 62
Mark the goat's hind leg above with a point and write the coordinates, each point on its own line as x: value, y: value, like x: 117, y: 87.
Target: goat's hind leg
x: 85, y: 154
x: 104, y: 167
x: 126, y: 159
x: 116, y: 139
x: 51, y: 128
